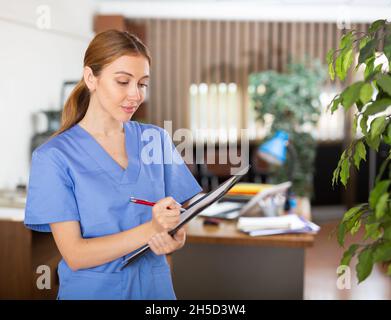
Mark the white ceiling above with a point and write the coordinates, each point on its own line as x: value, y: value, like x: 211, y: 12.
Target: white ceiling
x: 274, y: 10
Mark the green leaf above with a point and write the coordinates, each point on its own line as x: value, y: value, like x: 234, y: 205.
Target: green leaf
x: 367, y: 51
x: 387, y: 46
x: 345, y: 171
x: 381, y: 206
x: 339, y: 66
x: 348, y: 254
x: 376, y: 25
x: 341, y: 234
x: 389, y: 270
x: 331, y: 71
x: 356, y: 226
x: 346, y: 40
x: 351, y: 94
x: 372, y: 231
x: 366, y: 93
x: 344, y: 59
x: 359, y: 105
x: 378, y: 68
x: 360, y: 153
x: 382, y: 252
x: 347, y: 61
x: 336, y: 175
x: 377, y: 106
x: 353, y: 224
x: 363, y: 42
x: 335, y: 104
x: 351, y: 213
x: 379, y: 189
x: 330, y: 62
x: 373, y: 142
x: 365, y: 264
x: 387, y: 232
x: 338, y: 168
x: 329, y: 56
x: 354, y: 125
x: 364, y: 124
x: 384, y: 81
x: 387, y: 134
x: 370, y: 64
x: 377, y: 127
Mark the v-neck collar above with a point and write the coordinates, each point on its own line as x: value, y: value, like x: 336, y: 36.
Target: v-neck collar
x: 105, y: 161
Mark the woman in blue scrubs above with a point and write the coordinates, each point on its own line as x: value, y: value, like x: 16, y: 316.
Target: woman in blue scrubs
x: 81, y: 181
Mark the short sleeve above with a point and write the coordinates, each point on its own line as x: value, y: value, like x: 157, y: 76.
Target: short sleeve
x: 179, y: 181
x: 50, y: 196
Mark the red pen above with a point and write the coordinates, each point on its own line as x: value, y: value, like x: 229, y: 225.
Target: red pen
x: 148, y: 203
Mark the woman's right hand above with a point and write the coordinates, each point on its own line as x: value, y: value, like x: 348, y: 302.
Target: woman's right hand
x: 165, y: 214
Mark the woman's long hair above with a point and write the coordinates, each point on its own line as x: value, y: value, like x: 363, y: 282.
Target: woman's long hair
x: 106, y: 47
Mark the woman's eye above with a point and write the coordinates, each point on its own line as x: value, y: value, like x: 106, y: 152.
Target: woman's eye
x: 122, y: 83
x: 143, y: 85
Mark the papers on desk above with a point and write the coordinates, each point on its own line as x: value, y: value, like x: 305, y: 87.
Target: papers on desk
x: 262, y: 226
x: 226, y: 209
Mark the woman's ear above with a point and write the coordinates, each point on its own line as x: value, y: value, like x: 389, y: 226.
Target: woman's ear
x: 89, y: 79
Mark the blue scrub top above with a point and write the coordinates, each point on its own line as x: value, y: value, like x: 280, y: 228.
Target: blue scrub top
x: 73, y: 178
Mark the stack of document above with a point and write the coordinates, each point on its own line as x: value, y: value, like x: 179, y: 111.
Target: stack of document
x: 226, y: 210
x: 262, y: 226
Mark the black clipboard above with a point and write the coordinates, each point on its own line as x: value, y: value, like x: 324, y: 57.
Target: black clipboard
x: 193, y: 210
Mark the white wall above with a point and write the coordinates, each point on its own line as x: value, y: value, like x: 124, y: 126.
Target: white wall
x: 33, y: 64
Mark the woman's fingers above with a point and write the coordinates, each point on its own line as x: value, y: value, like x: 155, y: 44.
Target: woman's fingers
x: 155, y: 247
x: 156, y: 244
x: 159, y: 241
x: 168, y: 202
x: 165, y: 214
x: 171, y: 213
x: 163, y: 243
x: 168, y: 222
x: 180, y: 235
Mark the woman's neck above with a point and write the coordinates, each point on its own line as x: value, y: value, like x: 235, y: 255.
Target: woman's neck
x: 99, y: 122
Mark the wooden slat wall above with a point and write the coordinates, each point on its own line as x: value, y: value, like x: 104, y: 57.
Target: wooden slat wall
x: 198, y: 51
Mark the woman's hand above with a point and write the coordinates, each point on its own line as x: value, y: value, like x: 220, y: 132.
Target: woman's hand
x: 163, y: 243
x: 165, y: 215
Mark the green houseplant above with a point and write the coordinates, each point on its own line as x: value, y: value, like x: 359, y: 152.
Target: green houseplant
x: 372, y: 97
x: 293, y: 100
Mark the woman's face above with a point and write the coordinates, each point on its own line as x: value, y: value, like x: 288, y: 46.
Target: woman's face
x: 121, y: 87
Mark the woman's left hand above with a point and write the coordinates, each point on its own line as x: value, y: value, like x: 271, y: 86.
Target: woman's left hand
x: 163, y: 243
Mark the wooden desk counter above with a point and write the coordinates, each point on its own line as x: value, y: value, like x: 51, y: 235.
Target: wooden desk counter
x: 22, y: 251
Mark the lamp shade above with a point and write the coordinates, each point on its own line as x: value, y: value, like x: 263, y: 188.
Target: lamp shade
x: 274, y: 150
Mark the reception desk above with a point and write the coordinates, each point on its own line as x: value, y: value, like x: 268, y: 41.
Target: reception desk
x: 22, y: 251
x: 219, y: 262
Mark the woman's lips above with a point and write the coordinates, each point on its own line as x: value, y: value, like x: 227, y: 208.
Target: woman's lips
x: 129, y: 109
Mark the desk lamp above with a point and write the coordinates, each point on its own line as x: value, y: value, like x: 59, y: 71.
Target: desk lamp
x: 274, y: 152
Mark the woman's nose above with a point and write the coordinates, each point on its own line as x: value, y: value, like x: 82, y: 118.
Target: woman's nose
x: 134, y: 92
